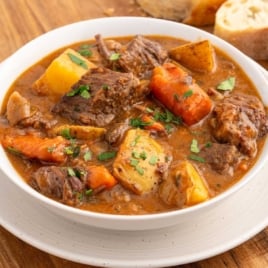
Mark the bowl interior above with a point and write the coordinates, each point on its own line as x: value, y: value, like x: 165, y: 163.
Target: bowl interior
x: 109, y: 27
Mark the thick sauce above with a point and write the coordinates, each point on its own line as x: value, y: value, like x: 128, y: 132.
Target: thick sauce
x: 120, y: 200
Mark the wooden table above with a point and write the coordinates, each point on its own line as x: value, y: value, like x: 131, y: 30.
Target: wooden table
x: 21, y: 21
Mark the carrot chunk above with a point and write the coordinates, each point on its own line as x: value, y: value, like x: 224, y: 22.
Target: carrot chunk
x: 99, y: 176
x: 45, y: 149
x: 178, y: 91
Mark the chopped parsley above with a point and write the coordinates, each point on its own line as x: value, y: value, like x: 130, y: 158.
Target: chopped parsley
x: 227, y: 84
x: 85, y: 51
x: 134, y: 143
x: 82, y: 90
x: 77, y: 61
x: 167, y: 117
x: 194, y: 146
x: 66, y: 133
x: 88, y: 155
x: 197, y: 158
x: 137, y: 122
x: 71, y: 172
x: 188, y: 93
x: 106, y: 155
x: 114, y: 56
x: 140, y: 170
x: 153, y: 160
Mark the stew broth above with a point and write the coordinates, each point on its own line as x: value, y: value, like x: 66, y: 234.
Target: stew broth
x: 176, y: 141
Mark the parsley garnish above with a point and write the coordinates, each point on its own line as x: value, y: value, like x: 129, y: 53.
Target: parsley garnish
x: 82, y: 90
x: 153, y: 160
x: 71, y: 172
x: 227, y: 84
x: 66, y: 133
x: 137, y: 122
x: 88, y: 155
x: 139, y: 170
x: 77, y: 61
x: 188, y: 93
x: 114, y: 56
x: 84, y: 50
x: 167, y: 117
x: 106, y: 155
x: 197, y: 158
x: 194, y: 146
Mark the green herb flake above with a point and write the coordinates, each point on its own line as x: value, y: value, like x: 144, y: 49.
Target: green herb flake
x: 134, y: 143
x: 71, y: 172
x: 88, y: 155
x: 149, y: 110
x: 137, y: 122
x: 135, y: 154
x: 114, y: 56
x: 153, y: 160
x: 66, y: 133
x: 81, y: 90
x: 188, y: 93
x: 208, y: 144
x: 194, y: 146
x: 143, y: 155
x: 168, y: 128
x: 89, y: 192
x: 134, y: 162
x: 140, y: 170
x: 227, y: 84
x: 106, y: 155
x: 85, y: 51
x: 197, y: 158
x: 77, y: 61
x: 167, y: 117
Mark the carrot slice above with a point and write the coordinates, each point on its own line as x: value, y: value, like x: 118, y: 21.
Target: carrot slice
x: 45, y: 149
x: 178, y: 91
x: 99, y: 176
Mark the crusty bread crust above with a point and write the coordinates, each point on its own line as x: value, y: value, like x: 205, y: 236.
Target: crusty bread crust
x: 244, y: 23
x: 194, y: 12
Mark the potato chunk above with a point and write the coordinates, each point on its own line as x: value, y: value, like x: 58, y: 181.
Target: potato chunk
x: 197, y: 56
x: 195, y: 187
x: 80, y: 132
x: 62, y: 73
x: 138, y: 162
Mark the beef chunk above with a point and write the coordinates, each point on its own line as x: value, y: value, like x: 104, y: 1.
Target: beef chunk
x: 110, y: 93
x: 55, y: 182
x: 240, y: 120
x: 221, y: 157
x: 139, y: 56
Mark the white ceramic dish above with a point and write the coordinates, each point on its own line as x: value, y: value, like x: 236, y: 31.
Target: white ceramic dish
x: 121, y: 26
x: 238, y: 219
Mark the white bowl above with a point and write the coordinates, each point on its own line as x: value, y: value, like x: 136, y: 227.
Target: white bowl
x: 110, y: 27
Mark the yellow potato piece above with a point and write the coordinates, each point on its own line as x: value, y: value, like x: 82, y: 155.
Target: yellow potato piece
x: 62, y: 73
x: 80, y: 132
x: 136, y: 162
x: 195, y: 186
x: 197, y: 56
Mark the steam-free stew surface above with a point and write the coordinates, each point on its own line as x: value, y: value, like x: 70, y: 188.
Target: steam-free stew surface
x: 179, y: 159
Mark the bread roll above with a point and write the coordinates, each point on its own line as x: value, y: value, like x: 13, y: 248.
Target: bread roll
x: 244, y: 23
x: 194, y: 12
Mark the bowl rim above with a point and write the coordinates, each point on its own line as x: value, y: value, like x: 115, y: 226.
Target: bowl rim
x: 244, y: 63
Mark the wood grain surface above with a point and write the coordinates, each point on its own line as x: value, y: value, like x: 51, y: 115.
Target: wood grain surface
x: 23, y: 20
